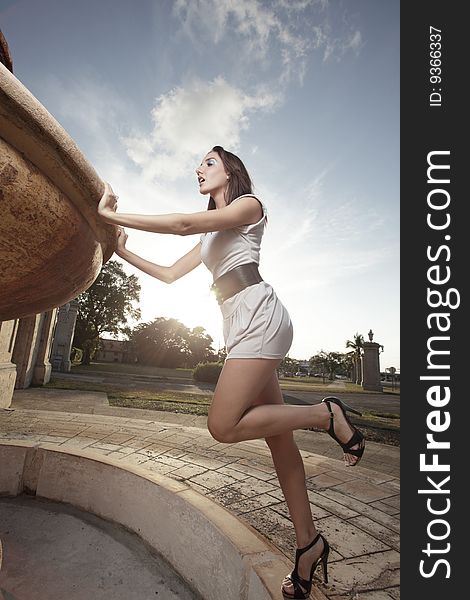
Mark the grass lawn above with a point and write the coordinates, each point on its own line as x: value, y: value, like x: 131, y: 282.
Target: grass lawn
x: 133, y: 370
x: 179, y: 402
x: 184, y: 402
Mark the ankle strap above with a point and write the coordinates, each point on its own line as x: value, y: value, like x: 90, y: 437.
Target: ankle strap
x: 312, y: 543
x: 332, y: 416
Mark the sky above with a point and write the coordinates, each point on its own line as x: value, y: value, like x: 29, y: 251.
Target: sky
x: 306, y: 92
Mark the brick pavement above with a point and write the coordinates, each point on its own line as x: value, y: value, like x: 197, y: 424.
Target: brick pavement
x: 357, y: 509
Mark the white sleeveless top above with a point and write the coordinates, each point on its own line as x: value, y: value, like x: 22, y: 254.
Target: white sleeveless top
x: 224, y: 250
x: 255, y: 322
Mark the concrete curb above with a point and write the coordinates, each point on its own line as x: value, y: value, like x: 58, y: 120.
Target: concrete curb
x: 193, y: 533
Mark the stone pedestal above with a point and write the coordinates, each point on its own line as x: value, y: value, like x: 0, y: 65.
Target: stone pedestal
x: 8, y: 330
x: 63, y: 337
x: 371, y: 367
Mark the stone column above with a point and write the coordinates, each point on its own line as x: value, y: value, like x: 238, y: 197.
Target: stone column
x: 26, y: 347
x: 358, y: 369
x: 43, y: 368
x: 352, y: 373
x: 63, y: 337
x: 8, y: 330
x: 371, y: 367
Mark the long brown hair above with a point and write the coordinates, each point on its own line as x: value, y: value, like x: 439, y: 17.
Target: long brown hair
x: 239, y: 183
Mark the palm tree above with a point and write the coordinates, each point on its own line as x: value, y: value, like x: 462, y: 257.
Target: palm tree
x: 356, y: 344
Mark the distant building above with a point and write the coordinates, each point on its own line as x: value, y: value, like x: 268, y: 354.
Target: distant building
x: 113, y: 351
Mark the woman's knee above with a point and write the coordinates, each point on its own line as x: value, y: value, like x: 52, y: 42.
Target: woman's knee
x: 220, y: 432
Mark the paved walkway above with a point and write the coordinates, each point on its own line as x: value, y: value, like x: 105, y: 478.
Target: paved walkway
x: 357, y: 509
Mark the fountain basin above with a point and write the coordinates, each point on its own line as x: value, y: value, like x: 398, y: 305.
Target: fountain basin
x: 52, y: 241
x: 214, y: 552
x: 55, y: 550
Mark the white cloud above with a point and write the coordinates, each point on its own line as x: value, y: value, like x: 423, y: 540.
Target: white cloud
x: 355, y: 41
x: 292, y: 6
x: 198, y: 114
x: 189, y: 121
x: 299, y: 227
x: 282, y: 34
x: 338, y: 47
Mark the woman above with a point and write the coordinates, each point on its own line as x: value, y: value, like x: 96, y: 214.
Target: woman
x: 247, y: 402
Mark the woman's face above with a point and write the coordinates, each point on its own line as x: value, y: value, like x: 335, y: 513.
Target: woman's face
x: 211, y: 174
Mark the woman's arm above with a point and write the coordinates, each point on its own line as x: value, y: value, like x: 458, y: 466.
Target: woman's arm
x: 181, y: 267
x: 243, y: 212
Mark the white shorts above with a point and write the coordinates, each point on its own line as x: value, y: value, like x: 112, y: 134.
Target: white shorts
x: 256, y: 324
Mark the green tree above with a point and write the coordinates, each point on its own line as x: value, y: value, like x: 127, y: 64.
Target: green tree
x: 356, y: 344
x: 289, y: 365
x: 200, y: 347
x: 350, y: 365
x: 105, y: 307
x: 169, y: 343
x: 328, y: 363
x: 161, y: 343
x: 221, y: 355
x: 318, y: 364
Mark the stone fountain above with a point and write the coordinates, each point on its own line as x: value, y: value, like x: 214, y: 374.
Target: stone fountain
x: 52, y: 241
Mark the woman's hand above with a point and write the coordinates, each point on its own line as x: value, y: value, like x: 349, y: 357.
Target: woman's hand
x: 121, y: 241
x: 108, y: 203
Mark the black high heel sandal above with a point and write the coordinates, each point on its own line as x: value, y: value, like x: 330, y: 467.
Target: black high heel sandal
x: 357, y: 437
x: 306, y: 584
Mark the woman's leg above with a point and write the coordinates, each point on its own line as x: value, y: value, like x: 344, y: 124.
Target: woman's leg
x: 233, y: 418
x: 291, y: 474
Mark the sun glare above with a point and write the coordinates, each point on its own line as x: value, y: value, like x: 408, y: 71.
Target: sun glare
x: 189, y: 300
